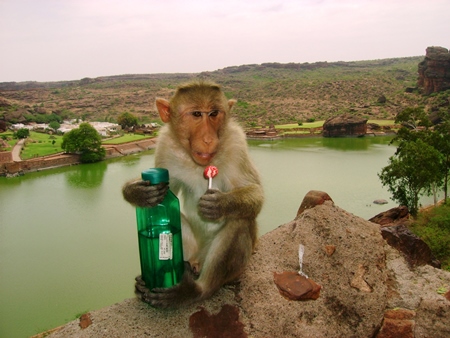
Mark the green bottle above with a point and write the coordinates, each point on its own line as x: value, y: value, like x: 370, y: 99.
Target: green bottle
x: 160, y: 240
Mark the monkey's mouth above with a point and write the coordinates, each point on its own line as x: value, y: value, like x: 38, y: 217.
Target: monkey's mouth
x: 203, y: 158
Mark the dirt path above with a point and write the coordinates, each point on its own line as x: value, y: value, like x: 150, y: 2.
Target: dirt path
x: 16, y: 150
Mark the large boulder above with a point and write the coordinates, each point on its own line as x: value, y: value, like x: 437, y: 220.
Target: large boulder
x: 393, y: 216
x: 345, y: 125
x: 415, y: 250
x: 434, y: 70
x: 367, y: 289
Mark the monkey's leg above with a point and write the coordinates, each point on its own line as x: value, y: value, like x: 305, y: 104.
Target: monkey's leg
x: 190, y: 246
x: 224, y: 260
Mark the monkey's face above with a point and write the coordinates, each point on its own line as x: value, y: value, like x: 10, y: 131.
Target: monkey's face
x: 199, y: 130
x: 197, y: 114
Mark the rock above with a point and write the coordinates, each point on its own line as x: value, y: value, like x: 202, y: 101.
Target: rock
x: 313, y: 198
x: 416, y: 251
x: 434, y: 70
x: 345, y: 125
x: 394, y: 216
x: 380, y: 201
x: 85, y: 320
x: 204, y: 324
x: 330, y: 249
x: 295, y: 287
x: 358, y: 281
x: 398, y: 323
x: 373, y: 126
x: 381, y: 99
x: 362, y: 282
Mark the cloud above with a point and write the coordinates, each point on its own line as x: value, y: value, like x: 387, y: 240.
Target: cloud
x: 62, y: 40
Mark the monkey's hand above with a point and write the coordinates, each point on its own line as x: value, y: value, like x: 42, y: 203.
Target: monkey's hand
x: 181, y: 294
x: 212, y: 204
x: 142, y: 194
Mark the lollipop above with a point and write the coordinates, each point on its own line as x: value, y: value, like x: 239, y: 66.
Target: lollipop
x: 210, y: 172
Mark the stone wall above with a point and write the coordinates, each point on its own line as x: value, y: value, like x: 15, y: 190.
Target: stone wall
x: 39, y: 163
x: 5, y: 156
x: 7, y: 166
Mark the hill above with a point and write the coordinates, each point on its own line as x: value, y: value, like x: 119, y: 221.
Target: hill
x: 266, y: 93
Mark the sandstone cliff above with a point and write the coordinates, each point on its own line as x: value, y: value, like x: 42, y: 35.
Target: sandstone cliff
x: 434, y: 70
x: 345, y: 125
x: 368, y: 289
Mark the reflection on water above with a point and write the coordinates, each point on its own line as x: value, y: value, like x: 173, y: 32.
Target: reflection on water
x: 66, y: 250
x: 87, y: 176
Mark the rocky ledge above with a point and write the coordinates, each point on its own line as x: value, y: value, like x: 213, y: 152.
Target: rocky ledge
x: 366, y: 288
x: 434, y: 70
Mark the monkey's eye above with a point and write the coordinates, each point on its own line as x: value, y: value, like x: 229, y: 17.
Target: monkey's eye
x: 197, y: 113
x: 213, y: 113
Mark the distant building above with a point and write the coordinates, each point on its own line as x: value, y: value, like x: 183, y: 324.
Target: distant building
x: 103, y: 128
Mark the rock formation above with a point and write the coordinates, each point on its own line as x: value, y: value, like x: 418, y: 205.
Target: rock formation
x: 344, y: 125
x: 434, y: 70
x: 368, y: 289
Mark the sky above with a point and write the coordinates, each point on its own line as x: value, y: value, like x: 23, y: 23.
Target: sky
x: 58, y: 40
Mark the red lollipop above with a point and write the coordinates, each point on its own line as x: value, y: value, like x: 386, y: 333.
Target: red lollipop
x: 210, y: 172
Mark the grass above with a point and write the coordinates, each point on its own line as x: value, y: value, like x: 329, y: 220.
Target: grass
x: 316, y: 124
x: 433, y: 226
x: 305, y: 125
x: 10, y: 140
x: 126, y: 138
x: 382, y: 122
x: 39, y: 144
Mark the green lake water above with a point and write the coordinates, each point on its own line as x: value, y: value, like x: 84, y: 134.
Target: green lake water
x: 68, y: 241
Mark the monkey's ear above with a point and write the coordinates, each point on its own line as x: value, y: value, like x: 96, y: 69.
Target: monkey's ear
x: 163, y: 109
x: 231, y: 103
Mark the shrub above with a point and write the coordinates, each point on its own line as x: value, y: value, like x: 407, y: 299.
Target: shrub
x: 434, y: 228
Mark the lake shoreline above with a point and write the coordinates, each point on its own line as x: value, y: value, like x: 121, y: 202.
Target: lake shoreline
x: 19, y: 168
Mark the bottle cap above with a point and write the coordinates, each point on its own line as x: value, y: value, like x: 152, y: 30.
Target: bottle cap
x: 155, y: 175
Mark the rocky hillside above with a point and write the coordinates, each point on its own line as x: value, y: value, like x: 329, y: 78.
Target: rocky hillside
x: 267, y: 93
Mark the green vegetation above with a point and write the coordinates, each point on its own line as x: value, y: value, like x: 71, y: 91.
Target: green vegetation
x: 411, y: 173
x: 86, y: 141
x: 433, y: 226
x: 22, y: 133
x: 305, y: 125
x: 126, y: 138
x: 127, y: 120
x: 421, y: 164
x: 39, y: 144
x: 10, y: 140
x: 271, y: 92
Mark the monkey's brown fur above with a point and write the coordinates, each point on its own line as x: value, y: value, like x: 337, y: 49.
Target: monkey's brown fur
x: 219, y: 224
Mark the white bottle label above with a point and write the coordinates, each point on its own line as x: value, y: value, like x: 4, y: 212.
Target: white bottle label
x: 165, y: 246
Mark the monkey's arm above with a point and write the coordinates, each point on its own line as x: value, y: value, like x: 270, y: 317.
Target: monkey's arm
x: 245, y: 202
x: 141, y: 194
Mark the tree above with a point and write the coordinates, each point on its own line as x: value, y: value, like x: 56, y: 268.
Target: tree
x: 22, y: 133
x: 441, y: 141
x: 127, y: 120
x: 437, y: 136
x: 54, y: 125
x: 413, y: 118
x: 86, y: 141
x: 411, y: 173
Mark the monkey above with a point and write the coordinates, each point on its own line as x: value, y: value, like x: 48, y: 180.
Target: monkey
x: 219, y: 227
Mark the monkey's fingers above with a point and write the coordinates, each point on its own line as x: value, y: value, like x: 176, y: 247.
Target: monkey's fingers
x: 155, y: 194
x: 139, y: 280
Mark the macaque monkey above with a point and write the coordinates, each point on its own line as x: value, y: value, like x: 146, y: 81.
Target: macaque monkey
x: 219, y: 224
